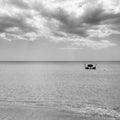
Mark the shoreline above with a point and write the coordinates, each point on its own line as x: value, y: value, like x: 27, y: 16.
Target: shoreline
x: 21, y: 112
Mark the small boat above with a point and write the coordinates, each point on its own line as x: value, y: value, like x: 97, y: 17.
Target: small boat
x: 90, y: 66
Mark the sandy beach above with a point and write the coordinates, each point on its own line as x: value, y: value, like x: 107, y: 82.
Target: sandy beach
x: 20, y: 112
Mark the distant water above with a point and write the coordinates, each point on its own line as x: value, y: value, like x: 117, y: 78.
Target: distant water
x: 64, y: 85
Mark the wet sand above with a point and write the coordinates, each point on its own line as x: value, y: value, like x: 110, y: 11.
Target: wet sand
x: 19, y: 112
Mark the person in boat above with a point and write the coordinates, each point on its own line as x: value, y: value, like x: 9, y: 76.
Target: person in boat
x: 90, y: 66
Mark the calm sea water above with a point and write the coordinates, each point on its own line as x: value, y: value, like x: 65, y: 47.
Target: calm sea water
x: 65, y: 85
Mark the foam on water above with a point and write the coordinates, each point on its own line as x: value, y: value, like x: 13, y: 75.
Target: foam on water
x: 93, y: 110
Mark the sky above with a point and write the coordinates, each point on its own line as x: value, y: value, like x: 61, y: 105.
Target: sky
x: 59, y: 30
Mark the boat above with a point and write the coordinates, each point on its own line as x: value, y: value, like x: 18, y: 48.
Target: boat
x: 90, y: 66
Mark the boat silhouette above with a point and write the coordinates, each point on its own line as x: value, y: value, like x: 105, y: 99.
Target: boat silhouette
x: 90, y: 66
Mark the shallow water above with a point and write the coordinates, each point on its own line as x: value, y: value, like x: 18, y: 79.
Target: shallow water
x: 65, y: 85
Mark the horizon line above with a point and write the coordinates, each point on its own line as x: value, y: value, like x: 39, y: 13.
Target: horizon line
x: 66, y: 61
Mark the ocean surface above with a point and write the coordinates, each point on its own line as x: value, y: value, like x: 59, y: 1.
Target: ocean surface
x: 63, y: 85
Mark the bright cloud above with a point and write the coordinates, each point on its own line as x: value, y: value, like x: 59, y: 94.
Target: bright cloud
x: 73, y: 22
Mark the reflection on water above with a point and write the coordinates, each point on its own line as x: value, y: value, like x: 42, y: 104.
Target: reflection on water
x: 62, y: 84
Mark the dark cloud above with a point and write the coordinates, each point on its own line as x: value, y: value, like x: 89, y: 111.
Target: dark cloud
x: 80, y: 30
x: 62, y: 16
x: 113, y: 19
x: 98, y: 16
x: 11, y: 22
x: 59, y: 22
x: 67, y: 22
x: 58, y: 34
x: 93, y: 16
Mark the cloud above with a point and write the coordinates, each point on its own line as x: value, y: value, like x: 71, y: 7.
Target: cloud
x: 19, y: 3
x: 91, y: 44
x: 94, y: 16
x: 11, y: 22
x: 71, y: 43
x: 102, y: 31
x: 75, y: 23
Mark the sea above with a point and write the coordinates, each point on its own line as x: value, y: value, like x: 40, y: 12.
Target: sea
x: 62, y: 85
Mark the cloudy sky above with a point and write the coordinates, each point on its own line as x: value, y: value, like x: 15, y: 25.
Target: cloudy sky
x: 59, y: 30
